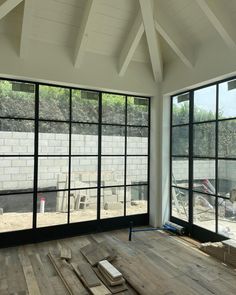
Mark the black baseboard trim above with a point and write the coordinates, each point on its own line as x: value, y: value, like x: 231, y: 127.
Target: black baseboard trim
x: 16, y: 238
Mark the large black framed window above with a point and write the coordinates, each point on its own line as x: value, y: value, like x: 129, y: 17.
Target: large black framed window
x: 71, y: 155
x: 203, y: 158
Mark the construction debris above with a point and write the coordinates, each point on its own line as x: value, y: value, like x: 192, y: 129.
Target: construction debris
x: 114, y: 289
x: 224, y: 251
x: 68, y: 277
x: 65, y: 253
x: 97, y: 276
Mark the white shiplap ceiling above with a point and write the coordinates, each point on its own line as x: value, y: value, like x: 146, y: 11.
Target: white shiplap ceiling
x: 156, y: 32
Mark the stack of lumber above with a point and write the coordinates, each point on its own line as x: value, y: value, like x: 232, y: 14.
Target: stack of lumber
x: 99, y: 255
x: 224, y: 251
x: 95, y: 275
x: 110, y: 276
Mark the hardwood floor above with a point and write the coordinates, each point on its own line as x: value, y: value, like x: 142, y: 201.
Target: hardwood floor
x: 154, y: 262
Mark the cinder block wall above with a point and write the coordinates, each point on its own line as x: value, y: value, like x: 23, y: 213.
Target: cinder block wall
x: 17, y: 173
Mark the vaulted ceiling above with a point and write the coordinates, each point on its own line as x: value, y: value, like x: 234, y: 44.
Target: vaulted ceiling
x: 155, y: 32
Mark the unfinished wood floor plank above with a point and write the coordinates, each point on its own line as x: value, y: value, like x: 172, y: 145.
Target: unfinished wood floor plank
x: 96, y: 252
x: 42, y: 278
x: 15, y: 276
x: 30, y: 278
x: 93, y: 290
x: 170, y: 265
x: 88, y: 274
x: 72, y: 283
x: 65, y: 253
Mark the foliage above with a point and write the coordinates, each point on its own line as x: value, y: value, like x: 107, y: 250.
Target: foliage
x: 54, y: 104
x: 203, y: 133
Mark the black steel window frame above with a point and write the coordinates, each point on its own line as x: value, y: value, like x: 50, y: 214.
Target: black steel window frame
x: 192, y: 229
x: 6, y: 237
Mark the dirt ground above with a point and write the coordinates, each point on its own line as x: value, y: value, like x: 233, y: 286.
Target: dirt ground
x: 20, y: 221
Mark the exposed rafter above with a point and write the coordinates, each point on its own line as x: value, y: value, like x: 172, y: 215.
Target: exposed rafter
x: 173, y: 38
x: 7, y: 6
x: 152, y: 39
x: 26, y: 27
x: 131, y: 44
x: 219, y: 21
x: 83, y: 32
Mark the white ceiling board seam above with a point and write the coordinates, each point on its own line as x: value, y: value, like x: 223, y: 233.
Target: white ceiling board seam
x: 219, y: 22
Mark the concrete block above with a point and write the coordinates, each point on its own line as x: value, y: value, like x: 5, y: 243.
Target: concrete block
x: 11, y: 170
x: 19, y: 149
x: 19, y: 163
x: 113, y: 206
x: 5, y: 177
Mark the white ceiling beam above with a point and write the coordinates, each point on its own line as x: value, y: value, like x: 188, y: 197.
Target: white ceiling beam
x: 152, y: 39
x: 130, y: 44
x: 8, y: 6
x: 168, y: 32
x: 219, y: 21
x: 26, y: 27
x: 85, y: 26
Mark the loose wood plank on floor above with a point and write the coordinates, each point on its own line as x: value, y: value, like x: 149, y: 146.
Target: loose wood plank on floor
x: 170, y: 265
x: 72, y: 283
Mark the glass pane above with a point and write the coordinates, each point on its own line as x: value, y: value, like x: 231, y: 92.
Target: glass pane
x: 204, y: 211
x: 16, y: 137
x: 137, y: 111
x: 204, y: 175
x: 16, y: 173
x: 84, y: 205
x: 137, y: 170
x: 180, y: 109
x: 205, y: 104
x: 85, y: 106
x: 54, y: 103
x: 180, y: 141
x: 52, y: 208
x: 53, y: 173
x: 180, y: 172
x: 17, y: 99
x: 227, y: 139
x: 227, y: 99
x: 204, y: 140
x: 113, y: 108
x: 53, y: 138
x: 112, y: 202
x: 112, y: 171
x: 113, y: 140
x: 227, y: 218
x: 84, y: 139
x: 17, y: 212
x: 226, y: 177
x: 180, y: 204
x: 83, y: 172
x: 136, y: 199
x: 137, y: 141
